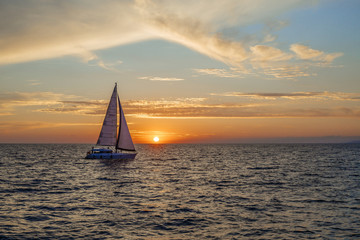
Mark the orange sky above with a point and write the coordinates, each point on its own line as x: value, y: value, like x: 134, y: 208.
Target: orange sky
x: 189, y: 130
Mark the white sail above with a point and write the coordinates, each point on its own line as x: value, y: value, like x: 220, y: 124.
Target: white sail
x: 124, y: 138
x: 107, y: 135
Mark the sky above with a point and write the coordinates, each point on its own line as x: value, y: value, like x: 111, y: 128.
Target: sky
x: 201, y: 71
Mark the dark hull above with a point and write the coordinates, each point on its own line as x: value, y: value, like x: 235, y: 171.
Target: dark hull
x: 111, y: 156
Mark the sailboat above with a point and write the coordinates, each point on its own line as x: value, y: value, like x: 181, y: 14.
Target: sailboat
x: 116, y: 140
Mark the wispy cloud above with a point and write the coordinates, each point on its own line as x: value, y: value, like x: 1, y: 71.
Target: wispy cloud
x: 268, y: 53
x: 307, y: 53
x: 295, y: 106
x: 8, y: 99
x: 204, y: 110
x: 281, y: 70
x: 90, y: 107
x: 166, y: 79
x: 181, y: 108
x: 34, y: 82
x: 109, y: 66
x: 296, y: 95
x: 48, y: 102
x: 220, y: 72
x: 34, y: 30
x: 279, y: 64
x: 188, y: 108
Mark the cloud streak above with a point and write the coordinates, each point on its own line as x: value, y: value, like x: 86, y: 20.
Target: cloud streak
x: 220, y: 72
x: 307, y: 53
x: 296, y: 95
x: 184, y: 110
x: 267, y: 53
x: 9, y: 99
x: 292, y: 105
x: 163, y: 79
x: 52, y: 102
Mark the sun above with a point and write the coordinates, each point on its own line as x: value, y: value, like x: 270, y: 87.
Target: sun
x: 156, y: 139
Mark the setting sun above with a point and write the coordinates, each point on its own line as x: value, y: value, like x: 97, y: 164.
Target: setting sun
x: 156, y: 139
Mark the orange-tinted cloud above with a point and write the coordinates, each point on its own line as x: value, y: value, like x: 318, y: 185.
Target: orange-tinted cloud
x: 268, y: 53
x: 220, y: 72
x: 297, y: 95
x: 185, y: 108
x: 307, y: 53
x: 166, y: 79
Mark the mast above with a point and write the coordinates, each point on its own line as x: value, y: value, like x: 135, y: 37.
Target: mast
x: 118, y: 136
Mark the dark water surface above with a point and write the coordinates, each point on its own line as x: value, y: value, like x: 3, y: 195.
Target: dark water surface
x: 301, y: 191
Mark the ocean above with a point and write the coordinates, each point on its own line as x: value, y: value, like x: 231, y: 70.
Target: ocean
x: 181, y: 191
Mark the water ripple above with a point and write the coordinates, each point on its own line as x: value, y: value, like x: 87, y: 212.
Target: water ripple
x: 299, y: 191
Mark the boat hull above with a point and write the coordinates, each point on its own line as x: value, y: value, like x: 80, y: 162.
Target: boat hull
x: 111, y: 156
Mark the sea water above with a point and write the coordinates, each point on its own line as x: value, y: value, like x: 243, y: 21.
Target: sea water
x: 300, y: 191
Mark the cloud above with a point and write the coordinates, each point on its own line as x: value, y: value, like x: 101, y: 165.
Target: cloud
x: 341, y: 96
x: 171, y: 110
x: 307, y: 53
x: 8, y: 99
x: 279, y: 64
x: 90, y: 107
x: 193, y: 34
x: 304, y: 52
x: 268, y: 53
x: 34, y: 82
x: 49, y: 102
x: 281, y: 69
x: 181, y: 108
x: 34, y: 30
x: 194, y: 108
x: 219, y: 72
x: 188, y: 26
x: 197, y: 29
x: 109, y: 66
x: 197, y: 108
x: 269, y: 38
x: 168, y: 79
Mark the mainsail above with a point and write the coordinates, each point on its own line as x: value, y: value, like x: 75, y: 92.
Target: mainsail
x: 108, y: 131
x: 107, y: 135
